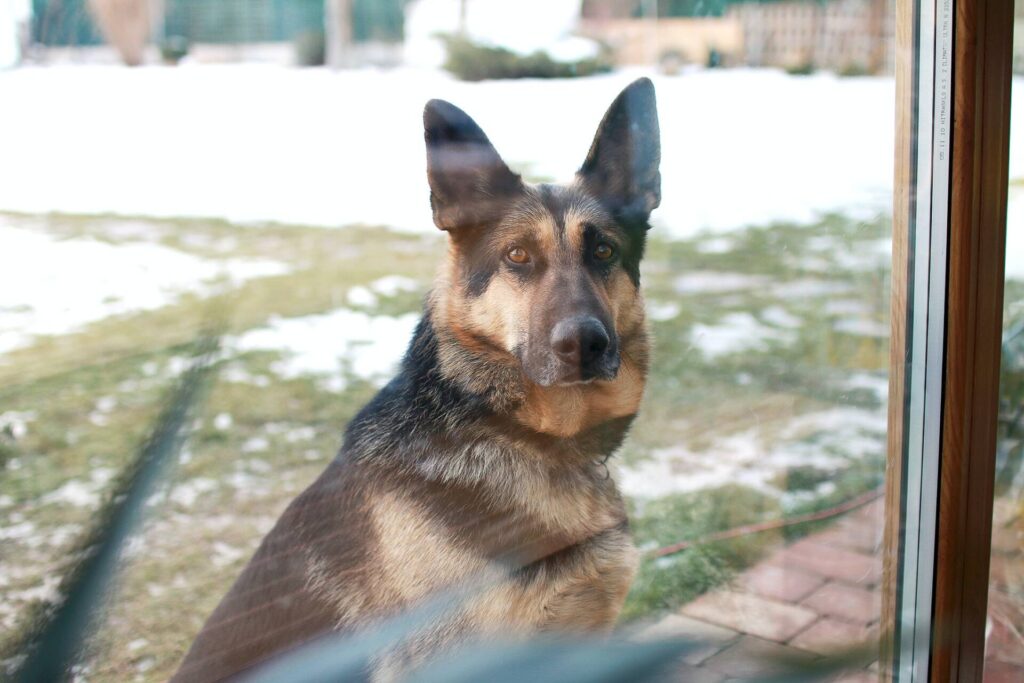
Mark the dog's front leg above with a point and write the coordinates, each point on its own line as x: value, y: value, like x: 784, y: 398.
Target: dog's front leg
x: 590, y: 593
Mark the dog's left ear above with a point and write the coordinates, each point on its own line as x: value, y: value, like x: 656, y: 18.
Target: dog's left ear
x: 622, y: 166
x: 469, y: 182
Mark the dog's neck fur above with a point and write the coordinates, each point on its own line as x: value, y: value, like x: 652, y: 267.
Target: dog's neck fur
x: 449, y: 390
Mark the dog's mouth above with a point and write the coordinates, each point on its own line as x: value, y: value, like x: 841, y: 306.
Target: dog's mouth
x: 557, y: 374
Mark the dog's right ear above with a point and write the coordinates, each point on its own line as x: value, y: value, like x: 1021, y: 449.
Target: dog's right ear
x: 469, y: 182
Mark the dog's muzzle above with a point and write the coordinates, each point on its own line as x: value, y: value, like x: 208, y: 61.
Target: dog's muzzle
x: 583, y: 350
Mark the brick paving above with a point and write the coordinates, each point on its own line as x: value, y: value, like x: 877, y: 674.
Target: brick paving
x: 1005, y: 644
x: 817, y: 596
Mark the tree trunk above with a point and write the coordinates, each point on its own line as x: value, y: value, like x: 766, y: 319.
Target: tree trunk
x: 125, y: 25
x: 338, y: 32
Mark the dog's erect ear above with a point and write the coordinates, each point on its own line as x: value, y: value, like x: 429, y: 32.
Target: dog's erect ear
x: 469, y: 182
x: 622, y: 166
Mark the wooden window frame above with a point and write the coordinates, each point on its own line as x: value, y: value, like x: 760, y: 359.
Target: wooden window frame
x: 969, y: 257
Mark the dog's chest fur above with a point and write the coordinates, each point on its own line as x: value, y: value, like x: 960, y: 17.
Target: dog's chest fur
x: 433, y: 486
x: 455, y: 487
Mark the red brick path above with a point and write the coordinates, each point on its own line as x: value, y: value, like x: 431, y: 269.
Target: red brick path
x: 810, y: 598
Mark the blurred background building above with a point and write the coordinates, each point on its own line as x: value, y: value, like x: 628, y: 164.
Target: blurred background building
x: 847, y: 36
x: 840, y: 35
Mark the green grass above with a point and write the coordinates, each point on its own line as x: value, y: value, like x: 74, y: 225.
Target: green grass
x: 96, y: 392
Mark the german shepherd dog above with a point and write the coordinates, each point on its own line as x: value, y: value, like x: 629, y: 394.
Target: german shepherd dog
x: 488, y: 449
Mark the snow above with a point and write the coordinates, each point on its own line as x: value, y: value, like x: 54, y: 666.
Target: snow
x: 780, y: 317
x: 662, y: 310
x: 331, y: 344
x: 808, y: 287
x: 735, y: 332
x: 15, y: 422
x: 392, y: 285
x: 714, y: 282
x: 257, y: 143
x: 846, y: 307
x: 187, y: 493
x: 825, y: 439
x: 225, y: 555
x: 387, y: 286
x: 255, y: 444
x: 50, y: 285
x: 1015, y: 230
x: 79, y: 493
x: 861, y: 327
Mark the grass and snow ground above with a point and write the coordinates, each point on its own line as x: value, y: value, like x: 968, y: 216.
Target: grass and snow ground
x: 770, y: 318
x: 760, y: 393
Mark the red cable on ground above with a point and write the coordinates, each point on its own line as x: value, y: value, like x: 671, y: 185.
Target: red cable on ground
x: 852, y: 504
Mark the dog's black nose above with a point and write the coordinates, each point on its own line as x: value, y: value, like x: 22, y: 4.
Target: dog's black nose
x: 579, y: 341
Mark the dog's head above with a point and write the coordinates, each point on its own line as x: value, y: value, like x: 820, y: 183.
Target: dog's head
x: 549, y: 274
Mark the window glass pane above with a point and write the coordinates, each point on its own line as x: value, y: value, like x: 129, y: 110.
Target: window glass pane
x: 225, y: 185
x: 1005, y: 628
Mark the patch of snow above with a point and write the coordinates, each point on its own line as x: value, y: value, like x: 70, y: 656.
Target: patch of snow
x: 716, y: 245
x: 188, y: 492
x: 176, y: 365
x: 258, y: 466
x: 1015, y: 203
x: 862, y: 327
x: 100, y: 414
x: 387, y: 286
x: 846, y: 307
x: 714, y: 282
x: 826, y: 439
x: 573, y: 49
x: 780, y: 317
x: 361, y: 296
x: 735, y: 332
x: 246, y: 484
x: 299, y: 434
x: 74, y: 492
x: 393, y: 285
x: 255, y: 444
x: 662, y: 310
x: 46, y: 591
x: 808, y: 287
x: 866, y: 257
x: 330, y: 344
x: 15, y: 422
x: 239, y: 375
x: 878, y: 383
x: 50, y: 285
x: 19, y: 531
x: 80, y: 493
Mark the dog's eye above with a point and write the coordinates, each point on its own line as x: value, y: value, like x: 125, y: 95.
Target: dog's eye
x: 603, y: 251
x: 518, y: 255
